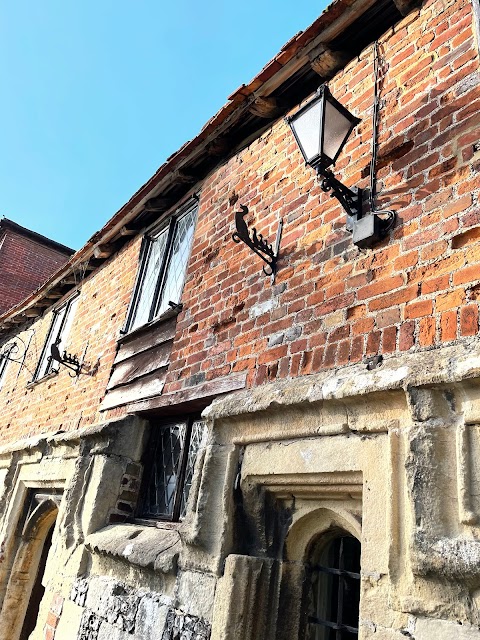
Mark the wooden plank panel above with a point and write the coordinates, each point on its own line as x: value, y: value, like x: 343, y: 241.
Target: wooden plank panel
x: 148, y: 386
x: 151, y: 338
x: 208, y: 389
x: 140, y: 364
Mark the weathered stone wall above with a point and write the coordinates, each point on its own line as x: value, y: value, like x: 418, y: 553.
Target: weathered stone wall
x: 388, y: 455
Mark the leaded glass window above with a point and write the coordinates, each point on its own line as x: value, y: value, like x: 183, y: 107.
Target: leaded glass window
x: 4, y: 360
x: 333, y: 590
x: 58, y: 334
x: 162, y: 269
x: 168, y: 468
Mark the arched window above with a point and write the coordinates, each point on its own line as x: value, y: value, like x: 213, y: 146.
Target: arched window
x: 332, y: 594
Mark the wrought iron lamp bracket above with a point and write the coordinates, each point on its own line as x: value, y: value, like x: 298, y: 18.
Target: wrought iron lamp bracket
x: 350, y: 199
x: 71, y: 361
x: 256, y: 242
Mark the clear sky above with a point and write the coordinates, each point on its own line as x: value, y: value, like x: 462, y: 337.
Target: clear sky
x: 96, y: 95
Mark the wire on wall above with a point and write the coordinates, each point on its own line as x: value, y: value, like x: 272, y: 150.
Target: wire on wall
x: 379, y: 76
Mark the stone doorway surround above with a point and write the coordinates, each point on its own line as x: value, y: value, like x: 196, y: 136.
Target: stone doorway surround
x: 391, y: 456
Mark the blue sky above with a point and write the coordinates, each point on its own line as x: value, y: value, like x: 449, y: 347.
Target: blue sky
x: 96, y: 95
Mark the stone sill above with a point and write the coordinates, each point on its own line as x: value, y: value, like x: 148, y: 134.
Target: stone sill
x: 148, y: 547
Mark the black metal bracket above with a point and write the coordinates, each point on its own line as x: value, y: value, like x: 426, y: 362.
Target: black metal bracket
x: 350, y: 199
x: 256, y: 242
x: 71, y: 361
x: 14, y: 350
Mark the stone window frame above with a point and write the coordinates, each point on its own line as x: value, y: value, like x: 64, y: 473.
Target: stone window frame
x: 24, y: 530
x: 167, y: 227
x: 59, y: 330
x: 185, y: 467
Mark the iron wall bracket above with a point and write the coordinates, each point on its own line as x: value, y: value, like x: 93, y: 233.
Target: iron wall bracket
x: 71, y: 361
x: 350, y: 199
x: 256, y: 242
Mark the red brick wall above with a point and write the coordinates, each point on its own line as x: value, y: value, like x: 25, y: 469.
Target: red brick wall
x: 331, y: 304
x: 24, y: 265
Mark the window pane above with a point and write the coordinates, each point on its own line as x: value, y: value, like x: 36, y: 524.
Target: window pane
x: 163, y: 474
x: 67, y: 325
x: 45, y: 365
x: 4, y: 361
x: 177, y: 264
x: 333, y: 590
x: 60, y: 328
x: 148, y: 285
x: 197, y: 440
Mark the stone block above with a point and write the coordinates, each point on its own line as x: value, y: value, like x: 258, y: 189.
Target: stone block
x: 101, y: 492
x: 196, y: 592
x: 109, y: 632
x: 426, y: 629
x: 151, y: 618
x: 69, y: 621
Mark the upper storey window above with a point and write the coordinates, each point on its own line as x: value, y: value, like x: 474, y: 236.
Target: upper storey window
x: 163, y: 265
x: 58, y: 334
x: 4, y: 363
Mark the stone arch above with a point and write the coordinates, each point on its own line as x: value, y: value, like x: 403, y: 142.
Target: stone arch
x: 25, y: 568
x: 317, y: 523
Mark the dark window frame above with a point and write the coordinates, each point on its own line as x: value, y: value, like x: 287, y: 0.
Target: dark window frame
x: 4, y: 360
x: 50, y: 368
x: 333, y: 599
x: 169, y: 225
x: 143, y: 514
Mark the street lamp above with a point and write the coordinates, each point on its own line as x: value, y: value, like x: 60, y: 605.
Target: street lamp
x: 321, y: 129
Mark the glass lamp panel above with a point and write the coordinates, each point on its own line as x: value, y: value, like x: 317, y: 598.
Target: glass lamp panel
x: 307, y: 128
x: 336, y: 131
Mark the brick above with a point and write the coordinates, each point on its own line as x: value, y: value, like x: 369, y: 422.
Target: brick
x: 469, y: 320
x: 426, y: 335
x: 458, y: 206
x: 406, y: 336
x: 418, y: 309
x: 389, y: 339
x: 387, y: 318
x: 379, y: 287
x: 449, y: 300
x: 467, y: 275
x: 391, y: 300
x: 373, y: 343
x: 448, y: 326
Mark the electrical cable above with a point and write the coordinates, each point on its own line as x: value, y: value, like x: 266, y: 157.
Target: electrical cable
x: 375, y: 127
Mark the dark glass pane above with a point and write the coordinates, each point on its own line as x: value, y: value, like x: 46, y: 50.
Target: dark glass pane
x: 162, y: 476
x: 333, y: 594
x: 351, y: 555
x: 197, y: 439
